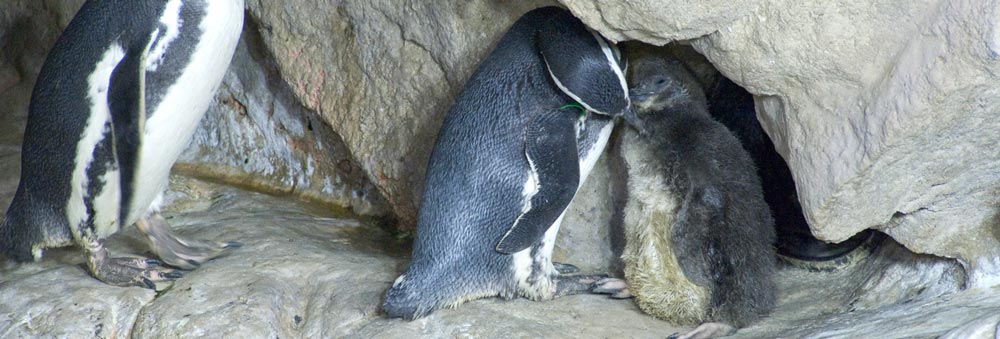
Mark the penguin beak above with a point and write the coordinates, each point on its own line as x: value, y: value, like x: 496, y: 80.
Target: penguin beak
x: 633, y: 120
x: 638, y: 96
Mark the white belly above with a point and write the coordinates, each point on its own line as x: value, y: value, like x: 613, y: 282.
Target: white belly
x: 170, y: 126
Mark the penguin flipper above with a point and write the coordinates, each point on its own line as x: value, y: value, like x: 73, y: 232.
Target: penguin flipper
x: 550, y: 147
x: 696, y: 251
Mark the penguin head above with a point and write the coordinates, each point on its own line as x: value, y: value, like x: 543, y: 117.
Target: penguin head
x: 586, y: 67
x: 660, y: 84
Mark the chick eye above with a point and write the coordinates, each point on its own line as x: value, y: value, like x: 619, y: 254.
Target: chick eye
x: 661, y: 81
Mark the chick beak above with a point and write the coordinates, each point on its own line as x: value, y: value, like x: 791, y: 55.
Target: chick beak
x: 633, y: 120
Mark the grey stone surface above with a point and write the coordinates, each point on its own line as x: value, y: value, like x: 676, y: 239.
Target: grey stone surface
x: 884, y: 110
x: 257, y: 135
x: 589, y: 237
x: 382, y: 73
x: 659, y: 21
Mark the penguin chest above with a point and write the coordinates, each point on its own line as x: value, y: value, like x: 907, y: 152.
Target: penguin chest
x: 95, y: 193
x: 654, y: 274
x: 592, y: 138
x: 185, y: 62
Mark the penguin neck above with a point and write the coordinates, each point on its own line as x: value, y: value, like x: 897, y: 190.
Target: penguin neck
x: 692, y: 106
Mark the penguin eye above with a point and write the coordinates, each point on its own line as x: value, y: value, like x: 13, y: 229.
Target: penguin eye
x: 661, y: 81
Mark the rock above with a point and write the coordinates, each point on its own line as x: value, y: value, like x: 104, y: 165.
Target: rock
x: 25, y: 39
x: 257, y: 135
x: 590, y: 235
x: 656, y: 21
x: 880, y: 129
x: 383, y: 73
x: 982, y: 328
x: 59, y: 299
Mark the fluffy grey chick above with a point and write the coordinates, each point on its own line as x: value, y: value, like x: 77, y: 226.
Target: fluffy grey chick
x: 699, y: 235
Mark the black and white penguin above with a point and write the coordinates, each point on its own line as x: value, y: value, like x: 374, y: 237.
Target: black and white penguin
x: 509, y: 158
x: 698, y: 234
x: 116, y: 102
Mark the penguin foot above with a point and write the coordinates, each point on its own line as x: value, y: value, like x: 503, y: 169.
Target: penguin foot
x: 129, y: 271
x: 576, y: 284
x: 565, y: 268
x: 614, y: 287
x: 176, y: 251
x: 705, y: 331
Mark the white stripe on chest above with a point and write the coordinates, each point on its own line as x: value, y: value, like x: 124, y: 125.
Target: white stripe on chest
x: 171, y: 22
x: 172, y: 122
x: 98, y: 85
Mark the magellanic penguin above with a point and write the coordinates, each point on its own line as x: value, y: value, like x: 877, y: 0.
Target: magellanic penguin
x: 698, y: 234
x: 116, y: 102
x: 508, y: 160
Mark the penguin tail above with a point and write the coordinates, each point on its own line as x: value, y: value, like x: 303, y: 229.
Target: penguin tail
x: 13, y: 242
x: 27, y: 229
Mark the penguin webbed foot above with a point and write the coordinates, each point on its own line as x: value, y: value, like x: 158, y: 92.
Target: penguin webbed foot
x: 706, y: 331
x: 577, y: 283
x: 177, y: 251
x: 129, y: 271
x: 614, y: 287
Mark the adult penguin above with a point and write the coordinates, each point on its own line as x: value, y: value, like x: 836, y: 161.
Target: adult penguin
x: 509, y: 158
x: 116, y: 101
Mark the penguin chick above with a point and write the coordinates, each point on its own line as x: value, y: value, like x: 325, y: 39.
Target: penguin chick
x: 699, y: 235
x: 510, y: 156
x: 116, y: 101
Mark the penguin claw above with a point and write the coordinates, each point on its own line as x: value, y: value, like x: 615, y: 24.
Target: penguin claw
x: 706, y: 331
x: 130, y: 271
x: 577, y: 284
x: 614, y: 287
x: 565, y: 268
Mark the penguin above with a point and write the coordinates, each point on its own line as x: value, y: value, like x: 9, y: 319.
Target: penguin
x: 733, y: 106
x: 115, y: 103
x: 698, y: 234
x: 513, y: 150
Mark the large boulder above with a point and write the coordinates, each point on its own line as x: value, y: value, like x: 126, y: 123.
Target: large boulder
x: 256, y: 135
x: 884, y: 110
